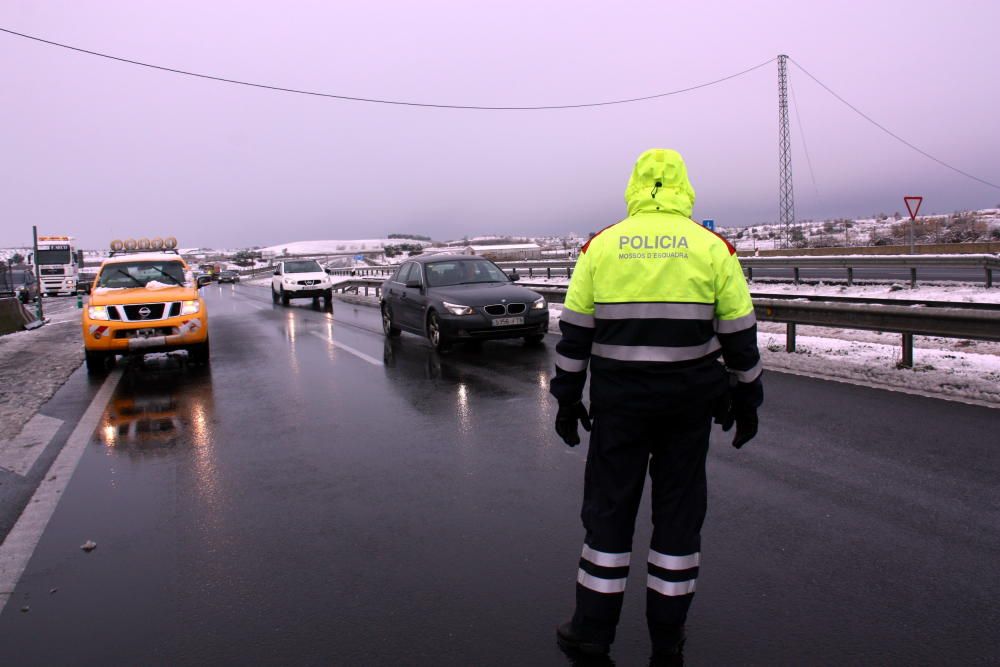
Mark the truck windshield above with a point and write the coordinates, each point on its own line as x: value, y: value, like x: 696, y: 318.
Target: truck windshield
x: 54, y: 256
x: 303, y: 267
x: 140, y: 274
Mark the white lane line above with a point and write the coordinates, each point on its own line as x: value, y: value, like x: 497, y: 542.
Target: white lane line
x: 19, y: 453
x: 17, y: 548
x: 347, y: 348
x: 243, y: 298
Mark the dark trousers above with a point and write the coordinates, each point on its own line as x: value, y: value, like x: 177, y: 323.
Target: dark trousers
x: 622, y: 447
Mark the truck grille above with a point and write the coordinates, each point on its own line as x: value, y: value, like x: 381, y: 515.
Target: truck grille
x: 52, y: 272
x: 144, y: 311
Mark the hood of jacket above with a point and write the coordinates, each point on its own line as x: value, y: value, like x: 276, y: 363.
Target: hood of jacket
x: 659, y: 183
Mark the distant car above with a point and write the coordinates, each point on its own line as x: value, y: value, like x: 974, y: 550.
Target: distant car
x: 460, y: 298
x: 229, y: 277
x: 27, y: 292
x: 85, y: 281
x: 300, y: 279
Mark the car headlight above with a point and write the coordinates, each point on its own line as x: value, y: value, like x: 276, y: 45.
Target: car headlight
x: 457, y: 309
x: 98, y: 312
x: 190, y: 307
x: 539, y: 304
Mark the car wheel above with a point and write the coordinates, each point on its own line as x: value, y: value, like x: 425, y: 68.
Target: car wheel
x: 97, y: 362
x: 328, y: 299
x: 434, y: 334
x: 285, y: 299
x: 388, y: 328
x: 534, y: 339
x: 275, y: 297
x: 199, y: 354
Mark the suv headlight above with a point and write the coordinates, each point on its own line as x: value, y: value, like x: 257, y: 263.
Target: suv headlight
x: 190, y: 307
x: 539, y: 304
x: 457, y: 309
x: 98, y: 312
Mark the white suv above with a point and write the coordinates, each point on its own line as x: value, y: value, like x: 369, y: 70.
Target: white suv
x: 300, y: 279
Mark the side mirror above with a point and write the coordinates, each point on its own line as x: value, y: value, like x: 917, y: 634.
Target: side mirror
x: 277, y: 272
x: 515, y: 276
x: 413, y: 284
x: 203, y: 280
x: 79, y: 259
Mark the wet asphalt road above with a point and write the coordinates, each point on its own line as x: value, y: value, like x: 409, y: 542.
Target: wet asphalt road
x: 301, y: 504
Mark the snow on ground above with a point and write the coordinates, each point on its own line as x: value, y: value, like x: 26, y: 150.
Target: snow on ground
x: 34, y: 364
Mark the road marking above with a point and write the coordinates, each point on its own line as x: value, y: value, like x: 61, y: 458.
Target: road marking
x: 19, y: 453
x: 347, y: 348
x: 17, y: 548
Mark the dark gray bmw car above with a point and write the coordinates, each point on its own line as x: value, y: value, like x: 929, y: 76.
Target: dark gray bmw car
x: 451, y: 298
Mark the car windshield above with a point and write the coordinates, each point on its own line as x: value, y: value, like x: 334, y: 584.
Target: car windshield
x: 140, y: 274
x: 464, y: 272
x: 303, y: 267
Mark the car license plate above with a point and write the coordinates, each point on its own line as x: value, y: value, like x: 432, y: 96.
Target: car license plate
x: 508, y: 321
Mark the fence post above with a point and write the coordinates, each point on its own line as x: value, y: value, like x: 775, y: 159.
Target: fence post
x: 850, y: 276
x: 548, y: 272
x: 907, y: 361
x: 913, y: 277
x: 796, y: 279
x: 790, y: 338
x: 750, y: 274
x: 989, y: 277
x: 569, y: 272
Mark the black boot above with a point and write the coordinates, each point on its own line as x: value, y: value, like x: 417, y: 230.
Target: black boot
x: 571, y: 639
x: 668, y: 647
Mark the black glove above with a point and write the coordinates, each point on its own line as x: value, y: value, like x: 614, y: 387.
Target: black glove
x: 567, y: 417
x: 728, y: 412
x: 746, y: 426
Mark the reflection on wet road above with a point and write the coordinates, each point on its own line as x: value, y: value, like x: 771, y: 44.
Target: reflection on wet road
x: 322, y: 495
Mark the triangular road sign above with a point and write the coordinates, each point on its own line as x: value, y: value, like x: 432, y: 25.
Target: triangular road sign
x: 913, y: 205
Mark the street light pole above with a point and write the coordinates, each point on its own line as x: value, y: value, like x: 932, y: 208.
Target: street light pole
x: 38, y: 277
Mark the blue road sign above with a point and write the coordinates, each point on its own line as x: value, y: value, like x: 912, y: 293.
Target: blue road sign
x: 359, y: 257
x: 708, y: 224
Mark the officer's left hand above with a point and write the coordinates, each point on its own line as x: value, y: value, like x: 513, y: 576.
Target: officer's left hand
x: 746, y: 426
x: 567, y: 417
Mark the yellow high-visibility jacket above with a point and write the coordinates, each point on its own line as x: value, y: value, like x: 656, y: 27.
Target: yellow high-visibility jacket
x: 653, y: 302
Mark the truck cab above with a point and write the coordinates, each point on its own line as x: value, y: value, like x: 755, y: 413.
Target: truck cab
x: 57, y: 263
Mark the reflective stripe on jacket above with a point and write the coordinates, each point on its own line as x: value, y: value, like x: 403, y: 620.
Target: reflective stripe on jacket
x: 654, y: 301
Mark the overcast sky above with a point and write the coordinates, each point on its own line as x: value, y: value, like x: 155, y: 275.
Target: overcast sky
x: 101, y: 149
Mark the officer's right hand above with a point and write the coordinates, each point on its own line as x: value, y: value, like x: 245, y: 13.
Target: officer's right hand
x: 566, y: 419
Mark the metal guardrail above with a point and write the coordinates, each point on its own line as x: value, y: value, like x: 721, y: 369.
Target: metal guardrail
x: 965, y: 321
x: 988, y: 263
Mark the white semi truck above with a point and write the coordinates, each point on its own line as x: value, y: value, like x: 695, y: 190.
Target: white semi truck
x: 57, y: 264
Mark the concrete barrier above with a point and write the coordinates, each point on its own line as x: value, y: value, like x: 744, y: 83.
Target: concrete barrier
x: 13, y: 316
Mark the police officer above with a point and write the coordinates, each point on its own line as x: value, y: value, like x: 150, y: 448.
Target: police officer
x: 653, y: 302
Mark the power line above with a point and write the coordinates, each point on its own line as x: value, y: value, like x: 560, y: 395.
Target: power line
x: 802, y: 133
x: 371, y: 100
x: 891, y: 133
